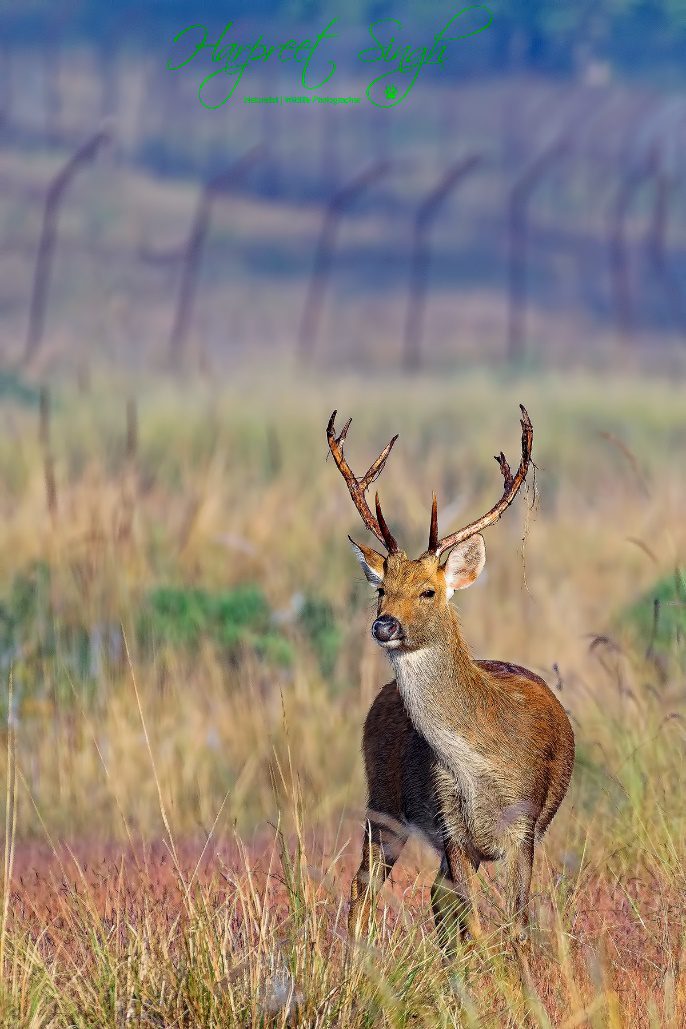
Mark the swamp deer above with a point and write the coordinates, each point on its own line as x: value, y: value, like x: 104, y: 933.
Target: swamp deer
x: 477, y: 755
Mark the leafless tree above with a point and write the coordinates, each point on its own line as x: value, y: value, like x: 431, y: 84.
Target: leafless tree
x: 560, y: 145
x: 321, y: 268
x: 55, y: 196
x: 191, y: 255
x: 420, y: 257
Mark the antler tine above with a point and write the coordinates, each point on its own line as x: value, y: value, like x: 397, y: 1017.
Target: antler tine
x: 378, y: 466
x: 388, y: 537
x: 512, y: 485
x: 505, y: 469
x: 344, y: 431
x: 357, y: 487
x: 433, y: 528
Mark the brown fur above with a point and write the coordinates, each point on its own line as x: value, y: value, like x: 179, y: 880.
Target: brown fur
x: 477, y: 755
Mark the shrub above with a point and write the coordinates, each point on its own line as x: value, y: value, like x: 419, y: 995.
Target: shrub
x: 318, y: 622
x: 235, y: 618
x: 658, y: 618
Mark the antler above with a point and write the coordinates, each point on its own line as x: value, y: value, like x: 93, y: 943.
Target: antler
x: 357, y: 487
x: 513, y: 484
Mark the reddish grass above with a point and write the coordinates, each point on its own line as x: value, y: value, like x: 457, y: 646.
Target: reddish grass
x: 623, y: 935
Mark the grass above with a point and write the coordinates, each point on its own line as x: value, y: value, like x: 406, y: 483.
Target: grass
x: 182, y: 804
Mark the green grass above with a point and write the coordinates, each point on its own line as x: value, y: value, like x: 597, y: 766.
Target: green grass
x: 658, y: 618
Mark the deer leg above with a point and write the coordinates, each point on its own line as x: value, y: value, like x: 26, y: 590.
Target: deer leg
x: 451, y: 897
x: 380, y: 850
x: 519, y: 884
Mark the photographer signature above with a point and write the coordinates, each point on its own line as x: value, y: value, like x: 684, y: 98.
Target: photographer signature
x: 230, y: 59
x: 408, y: 61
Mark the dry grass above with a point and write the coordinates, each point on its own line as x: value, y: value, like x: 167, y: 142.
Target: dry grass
x: 181, y: 746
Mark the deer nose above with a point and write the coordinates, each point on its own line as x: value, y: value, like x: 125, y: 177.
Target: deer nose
x: 386, y: 628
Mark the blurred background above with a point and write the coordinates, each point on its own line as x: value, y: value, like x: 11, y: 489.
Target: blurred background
x: 523, y: 203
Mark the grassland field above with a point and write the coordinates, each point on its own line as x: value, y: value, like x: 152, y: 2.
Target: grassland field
x: 187, y: 664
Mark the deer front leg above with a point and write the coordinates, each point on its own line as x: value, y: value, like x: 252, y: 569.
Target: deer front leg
x: 451, y: 898
x: 521, y: 861
x: 380, y: 849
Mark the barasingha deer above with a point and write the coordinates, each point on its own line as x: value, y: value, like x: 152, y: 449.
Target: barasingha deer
x: 476, y: 755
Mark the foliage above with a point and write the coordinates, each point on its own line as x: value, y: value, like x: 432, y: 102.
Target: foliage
x: 32, y: 635
x: 658, y: 617
x: 319, y: 623
x: 234, y: 619
x: 25, y: 615
x: 32, y: 632
x: 238, y: 618
x: 181, y: 615
x: 14, y: 387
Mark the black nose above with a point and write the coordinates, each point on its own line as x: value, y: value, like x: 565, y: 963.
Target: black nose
x: 386, y: 628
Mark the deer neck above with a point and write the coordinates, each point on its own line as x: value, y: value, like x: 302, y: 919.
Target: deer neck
x: 442, y: 688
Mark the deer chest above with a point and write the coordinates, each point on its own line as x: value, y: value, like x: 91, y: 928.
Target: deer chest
x: 462, y: 803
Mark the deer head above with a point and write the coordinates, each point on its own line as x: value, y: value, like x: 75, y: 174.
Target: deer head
x: 413, y: 608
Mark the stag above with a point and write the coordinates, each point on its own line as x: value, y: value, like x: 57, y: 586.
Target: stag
x: 477, y: 755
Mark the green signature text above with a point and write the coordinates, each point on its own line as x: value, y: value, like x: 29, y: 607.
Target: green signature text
x: 229, y: 59
x: 394, y: 84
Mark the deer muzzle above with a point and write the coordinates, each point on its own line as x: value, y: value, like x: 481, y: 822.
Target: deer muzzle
x: 387, y: 629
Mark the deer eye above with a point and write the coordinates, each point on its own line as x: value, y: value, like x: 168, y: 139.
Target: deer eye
x: 381, y: 591
x: 428, y: 594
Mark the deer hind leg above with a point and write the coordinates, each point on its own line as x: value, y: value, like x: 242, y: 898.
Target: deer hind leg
x: 520, y: 867
x: 451, y: 898
x: 380, y: 850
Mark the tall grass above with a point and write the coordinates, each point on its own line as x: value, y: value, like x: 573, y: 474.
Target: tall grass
x: 247, y: 768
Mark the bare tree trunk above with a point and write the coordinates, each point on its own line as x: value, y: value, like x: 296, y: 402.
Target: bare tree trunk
x: 521, y: 192
x: 192, y: 253
x: 518, y: 238
x: 321, y: 267
x: 619, y: 257
x: 46, y: 248
x: 419, y: 261
x: 657, y: 248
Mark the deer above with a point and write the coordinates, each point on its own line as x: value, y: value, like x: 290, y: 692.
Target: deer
x: 475, y: 755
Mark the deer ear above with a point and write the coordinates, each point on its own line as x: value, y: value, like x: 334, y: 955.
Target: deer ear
x: 372, y: 563
x: 465, y: 564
